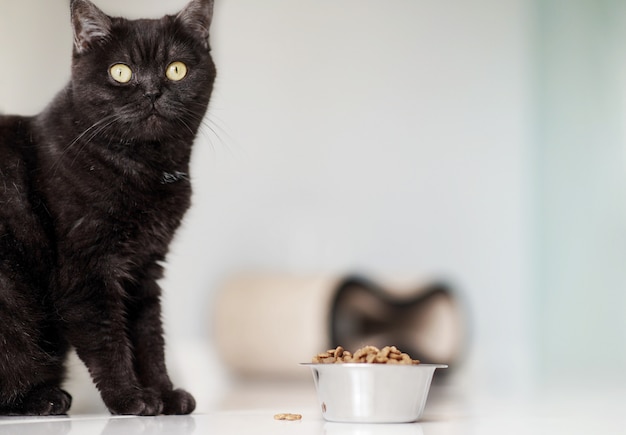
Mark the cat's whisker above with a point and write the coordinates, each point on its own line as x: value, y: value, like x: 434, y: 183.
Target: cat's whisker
x: 208, y: 128
x: 206, y: 131
x: 186, y: 125
x: 94, y: 130
x: 95, y: 133
x: 215, y: 130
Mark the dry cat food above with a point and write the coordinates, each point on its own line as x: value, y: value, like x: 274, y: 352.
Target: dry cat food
x: 288, y: 417
x: 367, y: 354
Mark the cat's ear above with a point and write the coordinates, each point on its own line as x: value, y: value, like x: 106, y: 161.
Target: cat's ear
x: 91, y: 25
x: 197, y: 17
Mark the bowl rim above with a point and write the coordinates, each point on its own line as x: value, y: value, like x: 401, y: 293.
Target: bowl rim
x: 355, y: 364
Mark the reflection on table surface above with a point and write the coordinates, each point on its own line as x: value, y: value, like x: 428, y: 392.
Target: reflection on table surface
x: 448, y: 412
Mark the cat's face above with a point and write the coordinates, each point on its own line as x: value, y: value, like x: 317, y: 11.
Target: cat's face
x: 143, y: 80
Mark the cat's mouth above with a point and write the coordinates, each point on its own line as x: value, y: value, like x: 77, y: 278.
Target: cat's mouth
x: 152, y: 124
x: 156, y: 113
x: 153, y: 121
x: 153, y: 111
x: 149, y: 123
x: 153, y: 116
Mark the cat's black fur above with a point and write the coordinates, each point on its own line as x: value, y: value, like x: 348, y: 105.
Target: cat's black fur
x: 91, y: 193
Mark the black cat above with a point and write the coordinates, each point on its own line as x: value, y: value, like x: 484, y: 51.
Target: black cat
x: 91, y: 193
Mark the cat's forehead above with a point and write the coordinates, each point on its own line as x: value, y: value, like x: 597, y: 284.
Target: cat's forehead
x: 147, y: 40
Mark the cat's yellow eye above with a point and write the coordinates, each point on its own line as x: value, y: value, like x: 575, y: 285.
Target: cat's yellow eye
x: 121, y: 73
x: 176, y: 71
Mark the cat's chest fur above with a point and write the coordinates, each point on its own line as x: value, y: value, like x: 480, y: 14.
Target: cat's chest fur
x: 116, y: 201
x: 92, y: 205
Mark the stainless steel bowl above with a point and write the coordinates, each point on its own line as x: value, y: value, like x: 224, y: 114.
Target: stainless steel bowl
x: 372, y: 393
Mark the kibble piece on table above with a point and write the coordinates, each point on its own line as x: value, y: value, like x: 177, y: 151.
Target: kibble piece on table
x: 288, y: 417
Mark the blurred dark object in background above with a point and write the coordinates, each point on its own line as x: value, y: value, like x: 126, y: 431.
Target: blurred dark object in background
x: 426, y: 323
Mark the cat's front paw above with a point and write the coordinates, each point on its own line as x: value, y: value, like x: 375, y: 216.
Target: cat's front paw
x: 135, y: 402
x: 45, y: 401
x: 178, y: 402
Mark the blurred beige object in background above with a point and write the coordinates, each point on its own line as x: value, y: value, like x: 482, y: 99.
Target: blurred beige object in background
x: 264, y: 325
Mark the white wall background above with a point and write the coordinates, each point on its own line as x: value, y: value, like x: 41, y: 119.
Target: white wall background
x: 393, y: 138
x: 354, y: 136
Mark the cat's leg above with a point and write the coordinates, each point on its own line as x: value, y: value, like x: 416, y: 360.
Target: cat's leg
x: 146, y: 332
x: 95, y: 319
x: 31, y: 357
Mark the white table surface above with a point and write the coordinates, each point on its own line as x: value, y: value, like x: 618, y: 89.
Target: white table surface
x: 250, y: 409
